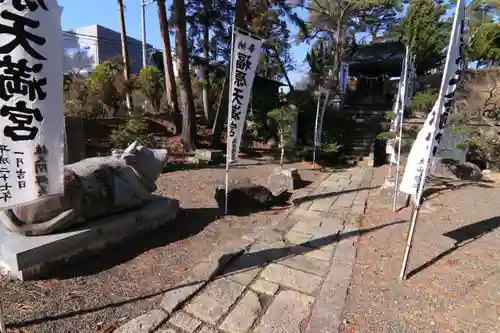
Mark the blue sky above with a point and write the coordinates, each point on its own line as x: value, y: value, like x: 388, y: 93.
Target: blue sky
x: 79, y: 13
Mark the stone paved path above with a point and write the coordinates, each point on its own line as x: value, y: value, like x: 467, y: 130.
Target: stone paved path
x: 291, y: 278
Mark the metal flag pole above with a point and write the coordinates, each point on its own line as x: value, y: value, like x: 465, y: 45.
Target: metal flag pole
x: 2, y: 317
x: 314, y: 156
x: 400, y: 136
x: 228, y: 131
x: 398, y: 164
x: 143, y: 33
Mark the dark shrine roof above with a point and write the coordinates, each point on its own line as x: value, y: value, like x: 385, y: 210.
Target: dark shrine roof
x: 376, y: 59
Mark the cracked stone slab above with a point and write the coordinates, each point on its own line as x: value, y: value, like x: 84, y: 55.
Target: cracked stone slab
x: 146, y: 323
x: 295, y: 237
x: 319, y: 227
x: 287, y: 313
x: 184, y: 321
x: 300, y: 214
x: 324, y: 253
x: 327, y: 313
x: 291, y: 278
x: 345, y: 200
x: 167, y: 330
x: 324, y: 204
x: 174, y: 297
x: 308, y: 264
x: 285, y: 225
x: 208, y: 329
x: 201, y: 273
x: 265, y: 287
x: 247, y: 267
x: 345, y: 252
x: 213, y: 302
x: 243, y: 315
x: 270, y: 237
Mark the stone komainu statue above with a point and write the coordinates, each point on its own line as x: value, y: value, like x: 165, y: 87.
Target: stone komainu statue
x: 93, y: 188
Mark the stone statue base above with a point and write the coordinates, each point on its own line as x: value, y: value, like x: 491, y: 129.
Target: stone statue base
x: 28, y: 257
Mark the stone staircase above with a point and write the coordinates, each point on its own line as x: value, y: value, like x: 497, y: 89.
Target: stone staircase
x: 367, y: 125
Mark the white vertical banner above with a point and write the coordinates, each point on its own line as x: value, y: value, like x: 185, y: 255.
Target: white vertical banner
x: 31, y: 101
x: 399, y: 107
x: 412, y: 77
x: 343, y: 76
x: 244, y: 61
x: 400, y: 103
x: 427, y: 142
x: 320, y: 113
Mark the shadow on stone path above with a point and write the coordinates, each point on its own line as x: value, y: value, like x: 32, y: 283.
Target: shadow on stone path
x: 292, y: 277
x: 249, y: 260
x: 462, y: 237
x: 298, y: 201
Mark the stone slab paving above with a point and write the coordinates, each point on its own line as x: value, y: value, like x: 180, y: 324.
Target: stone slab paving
x: 292, y: 278
x: 243, y: 315
x: 265, y: 287
x: 287, y: 313
x: 185, y: 321
x: 144, y: 324
x: 213, y: 302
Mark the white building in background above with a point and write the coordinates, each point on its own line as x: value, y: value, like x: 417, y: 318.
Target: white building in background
x: 86, y: 47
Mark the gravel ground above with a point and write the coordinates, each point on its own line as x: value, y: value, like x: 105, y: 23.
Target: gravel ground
x: 126, y: 281
x: 452, y: 289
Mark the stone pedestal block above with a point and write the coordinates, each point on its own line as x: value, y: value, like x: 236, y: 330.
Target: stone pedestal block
x: 27, y: 257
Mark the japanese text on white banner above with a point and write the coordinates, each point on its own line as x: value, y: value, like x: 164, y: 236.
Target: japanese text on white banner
x: 245, y: 58
x: 31, y: 114
x: 320, y: 114
x: 429, y: 137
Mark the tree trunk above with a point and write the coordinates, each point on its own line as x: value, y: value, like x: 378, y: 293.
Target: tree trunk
x: 338, y: 53
x: 239, y: 21
x: 206, y: 54
x: 123, y: 31
x: 168, y: 66
x: 189, y: 115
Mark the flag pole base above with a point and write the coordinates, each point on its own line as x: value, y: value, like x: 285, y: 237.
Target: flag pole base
x: 226, y: 188
x: 409, y: 241
x: 396, y: 190
x: 314, y: 157
x: 2, y: 317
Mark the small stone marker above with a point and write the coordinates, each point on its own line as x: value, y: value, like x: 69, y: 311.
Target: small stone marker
x: 284, y: 180
x: 208, y: 156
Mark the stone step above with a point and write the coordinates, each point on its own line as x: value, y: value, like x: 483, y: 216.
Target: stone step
x: 357, y: 154
x: 360, y: 147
